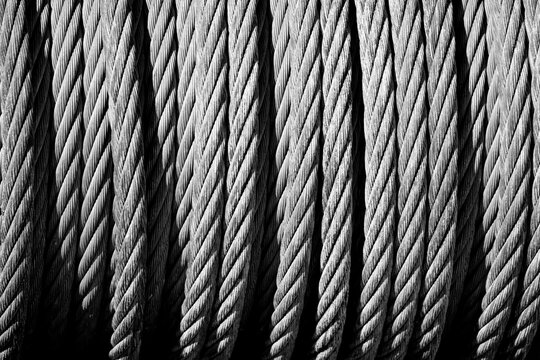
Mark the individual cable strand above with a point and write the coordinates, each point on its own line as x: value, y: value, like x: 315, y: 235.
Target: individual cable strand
x: 336, y: 226
x: 514, y: 187
x: 278, y: 168
x: 409, y: 65
x: 524, y: 323
x: 17, y: 125
x: 208, y: 194
x: 65, y: 197
x: 159, y: 136
x: 122, y: 20
x: 41, y: 81
x: 443, y: 172
x: 241, y: 178
x: 358, y: 176
x: 96, y: 186
x: 265, y: 92
x: 248, y: 334
x: 173, y: 295
x: 381, y: 182
x: 2, y: 8
x: 295, y: 249
x: 487, y: 227
x: 471, y: 58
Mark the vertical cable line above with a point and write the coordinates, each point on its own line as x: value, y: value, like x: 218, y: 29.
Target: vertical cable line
x: 381, y: 181
x: 409, y: 72
x: 443, y: 172
x: 241, y: 179
x: 17, y: 165
x: 40, y: 41
x: 514, y: 188
x: 96, y: 189
x: 187, y: 86
x: 265, y: 97
x: 524, y: 323
x: 2, y: 9
x: 159, y: 136
x: 65, y: 197
x: 208, y: 194
x: 336, y: 226
x: 278, y: 146
x: 122, y: 20
x: 471, y: 58
x: 487, y: 226
x: 295, y: 249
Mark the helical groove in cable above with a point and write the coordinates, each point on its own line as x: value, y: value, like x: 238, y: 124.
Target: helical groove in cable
x: 443, y: 174
x: 514, y: 187
x: 270, y: 179
x: 17, y: 167
x: 206, y: 228
x: 122, y: 21
x: 381, y: 169
x: 412, y: 141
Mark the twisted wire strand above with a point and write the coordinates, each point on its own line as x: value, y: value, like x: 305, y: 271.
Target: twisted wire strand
x: 208, y: 195
x: 159, y: 151
x: 40, y: 40
x: 248, y: 333
x: 443, y: 171
x: 264, y: 86
x: 2, y: 9
x: 471, y: 84
x: 96, y: 185
x: 295, y: 249
x: 65, y: 196
x: 122, y: 20
x: 380, y: 166
x: 409, y: 65
x: 278, y: 145
x: 454, y: 269
x: 487, y: 226
x: 524, y: 323
x: 358, y: 181
x: 241, y: 179
x: 336, y: 226
x: 183, y: 167
x: 514, y: 188
x: 17, y: 186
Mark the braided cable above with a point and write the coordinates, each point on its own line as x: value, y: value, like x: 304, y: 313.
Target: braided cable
x: 264, y: 86
x: 295, y: 249
x: 514, y: 187
x: 358, y: 181
x: 241, y: 181
x: 278, y: 145
x: 380, y: 166
x: 248, y: 332
x: 409, y: 65
x: 336, y: 226
x: 159, y: 151
x: 524, y: 323
x: 442, y: 164
x: 41, y: 81
x: 96, y: 188
x: 2, y: 9
x: 183, y: 168
x: 471, y: 84
x: 122, y: 20
x: 17, y: 185
x: 487, y: 228
x: 179, y: 141
x: 65, y: 200
x: 209, y: 176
